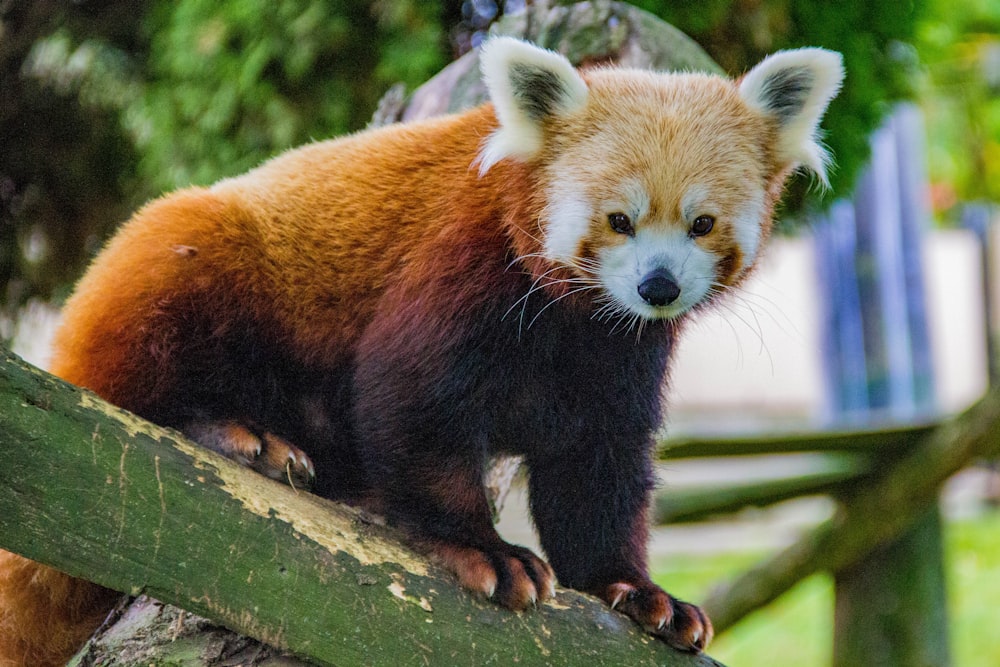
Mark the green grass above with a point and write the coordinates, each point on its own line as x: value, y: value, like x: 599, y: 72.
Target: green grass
x: 798, y: 628
x: 974, y: 591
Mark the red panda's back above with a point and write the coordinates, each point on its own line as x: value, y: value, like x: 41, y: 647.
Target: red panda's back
x: 300, y: 249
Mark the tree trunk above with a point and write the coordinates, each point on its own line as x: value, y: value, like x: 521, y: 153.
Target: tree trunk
x: 891, y: 607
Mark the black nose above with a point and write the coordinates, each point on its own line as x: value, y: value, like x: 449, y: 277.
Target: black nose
x: 658, y: 288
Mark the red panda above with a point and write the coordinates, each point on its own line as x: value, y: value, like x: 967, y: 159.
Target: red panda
x: 386, y: 311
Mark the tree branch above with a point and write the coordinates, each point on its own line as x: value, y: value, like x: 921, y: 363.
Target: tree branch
x: 101, y: 494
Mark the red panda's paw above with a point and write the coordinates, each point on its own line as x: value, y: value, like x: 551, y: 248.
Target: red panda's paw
x: 684, y: 626
x: 264, y: 452
x: 510, y: 575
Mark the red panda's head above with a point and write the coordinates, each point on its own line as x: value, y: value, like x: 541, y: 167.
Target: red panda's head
x: 659, y: 188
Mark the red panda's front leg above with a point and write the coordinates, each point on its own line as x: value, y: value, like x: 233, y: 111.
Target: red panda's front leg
x: 424, y: 442
x: 590, y: 506
x: 440, y: 501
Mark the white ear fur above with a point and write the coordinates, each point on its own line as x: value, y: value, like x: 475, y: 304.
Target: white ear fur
x: 795, y: 87
x: 526, y: 84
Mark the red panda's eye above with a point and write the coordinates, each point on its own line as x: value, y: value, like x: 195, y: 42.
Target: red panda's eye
x: 702, y: 225
x: 621, y: 223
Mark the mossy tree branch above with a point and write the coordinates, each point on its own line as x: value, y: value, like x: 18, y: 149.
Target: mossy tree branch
x: 101, y: 494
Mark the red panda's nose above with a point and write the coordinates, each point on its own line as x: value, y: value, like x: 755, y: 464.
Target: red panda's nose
x: 659, y: 288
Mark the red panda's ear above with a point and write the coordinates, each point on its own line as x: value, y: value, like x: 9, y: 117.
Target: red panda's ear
x: 527, y: 85
x: 795, y: 87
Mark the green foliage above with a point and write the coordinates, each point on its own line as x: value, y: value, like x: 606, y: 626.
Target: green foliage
x: 797, y: 629
x: 104, y: 105
x: 973, y: 556
x: 960, y: 95
x: 233, y: 82
x: 65, y: 166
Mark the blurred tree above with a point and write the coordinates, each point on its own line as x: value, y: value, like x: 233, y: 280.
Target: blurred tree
x: 65, y: 166
x: 470, y: 20
x: 960, y: 95
x: 104, y: 105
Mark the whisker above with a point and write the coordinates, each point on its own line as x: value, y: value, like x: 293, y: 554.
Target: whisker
x: 638, y: 333
x: 531, y: 236
x: 520, y: 258
x: 588, y: 267
x: 755, y: 328
x: 766, y: 304
x: 540, y: 282
x: 610, y: 309
x: 625, y: 322
x: 560, y: 298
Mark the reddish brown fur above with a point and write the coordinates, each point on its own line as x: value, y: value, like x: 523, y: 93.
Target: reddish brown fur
x: 55, y: 613
x: 269, y: 264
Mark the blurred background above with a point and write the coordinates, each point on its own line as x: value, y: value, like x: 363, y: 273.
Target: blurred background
x: 875, y: 304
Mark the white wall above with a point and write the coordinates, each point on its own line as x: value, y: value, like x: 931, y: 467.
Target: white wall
x: 33, y: 332
x: 757, y: 359
x: 758, y: 354
x: 955, y: 310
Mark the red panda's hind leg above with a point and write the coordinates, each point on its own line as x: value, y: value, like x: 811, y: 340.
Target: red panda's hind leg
x: 261, y: 451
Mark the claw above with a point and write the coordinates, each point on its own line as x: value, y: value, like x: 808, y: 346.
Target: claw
x: 252, y: 448
x: 622, y: 592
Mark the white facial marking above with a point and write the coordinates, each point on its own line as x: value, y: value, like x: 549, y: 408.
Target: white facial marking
x: 694, y: 203
x: 567, y: 220
x: 655, y: 245
x: 746, y: 227
x: 570, y: 214
x: 624, y: 267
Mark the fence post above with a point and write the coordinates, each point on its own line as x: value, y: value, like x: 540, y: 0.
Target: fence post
x: 890, y: 606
